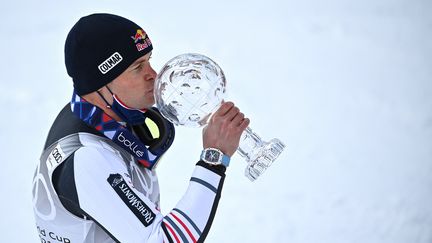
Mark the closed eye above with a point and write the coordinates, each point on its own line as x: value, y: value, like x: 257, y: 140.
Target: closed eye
x: 140, y: 64
x: 138, y: 67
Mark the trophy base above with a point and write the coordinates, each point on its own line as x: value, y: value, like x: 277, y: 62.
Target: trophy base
x: 264, y: 159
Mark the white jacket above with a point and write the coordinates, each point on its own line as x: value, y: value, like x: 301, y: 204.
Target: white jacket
x: 87, y: 189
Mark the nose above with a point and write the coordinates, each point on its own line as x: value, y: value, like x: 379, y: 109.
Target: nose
x: 150, y: 73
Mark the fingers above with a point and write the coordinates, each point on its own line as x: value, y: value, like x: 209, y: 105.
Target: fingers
x: 232, y: 113
x: 238, y: 119
x: 244, y: 124
x: 231, y: 116
x: 228, y: 111
x: 225, y: 107
x: 225, y: 128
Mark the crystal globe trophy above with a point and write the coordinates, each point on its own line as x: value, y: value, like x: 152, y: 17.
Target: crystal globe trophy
x: 189, y: 88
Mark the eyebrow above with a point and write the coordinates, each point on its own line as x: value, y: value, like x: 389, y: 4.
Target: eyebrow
x: 139, y: 61
x: 136, y: 63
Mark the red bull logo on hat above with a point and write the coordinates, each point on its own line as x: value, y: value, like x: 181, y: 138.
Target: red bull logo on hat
x: 141, y: 40
x: 140, y: 35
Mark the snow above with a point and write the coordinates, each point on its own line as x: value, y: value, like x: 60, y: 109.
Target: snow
x: 346, y: 85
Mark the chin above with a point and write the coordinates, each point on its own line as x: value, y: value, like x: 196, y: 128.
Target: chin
x: 149, y: 103
x: 152, y: 101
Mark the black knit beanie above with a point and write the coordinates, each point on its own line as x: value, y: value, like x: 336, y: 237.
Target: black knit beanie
x: 99, y: 47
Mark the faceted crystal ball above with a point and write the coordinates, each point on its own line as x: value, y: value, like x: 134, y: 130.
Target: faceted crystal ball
x: 189, y: 88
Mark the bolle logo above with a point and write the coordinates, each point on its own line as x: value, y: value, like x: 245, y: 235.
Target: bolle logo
x: 131, y: 145
x: 110, y: 63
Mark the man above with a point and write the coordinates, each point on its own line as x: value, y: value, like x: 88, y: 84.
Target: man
x: 96, y: 180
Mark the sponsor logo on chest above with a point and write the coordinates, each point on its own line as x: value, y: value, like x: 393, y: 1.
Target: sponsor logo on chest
x: 138, y: 207
x: 55, y: 157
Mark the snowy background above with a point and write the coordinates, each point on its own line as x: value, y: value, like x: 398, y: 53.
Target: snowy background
x: 347, y: 85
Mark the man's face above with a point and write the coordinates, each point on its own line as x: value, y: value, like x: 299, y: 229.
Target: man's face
x: 134, y: 86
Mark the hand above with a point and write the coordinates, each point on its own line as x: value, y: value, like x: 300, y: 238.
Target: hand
x: 224, y: 129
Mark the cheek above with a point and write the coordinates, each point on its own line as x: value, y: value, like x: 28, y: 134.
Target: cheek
x: 149, y: 97
x: 150, y: 100
x: 134, y: 91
